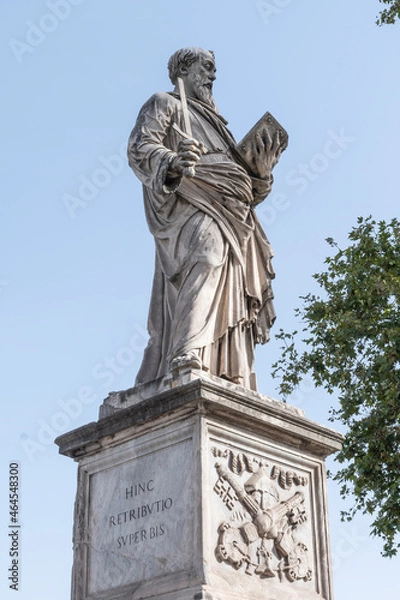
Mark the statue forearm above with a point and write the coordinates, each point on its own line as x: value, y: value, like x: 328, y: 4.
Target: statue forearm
x: 261, y: 188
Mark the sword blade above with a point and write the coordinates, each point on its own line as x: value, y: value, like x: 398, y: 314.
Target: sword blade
x: 186, y: 118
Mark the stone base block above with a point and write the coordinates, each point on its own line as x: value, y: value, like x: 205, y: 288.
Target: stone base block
x: 202, y: 491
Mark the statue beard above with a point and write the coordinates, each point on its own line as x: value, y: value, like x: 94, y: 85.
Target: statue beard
x: 204, y: 93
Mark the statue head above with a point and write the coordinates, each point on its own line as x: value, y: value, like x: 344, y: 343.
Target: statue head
x: 197, y: 69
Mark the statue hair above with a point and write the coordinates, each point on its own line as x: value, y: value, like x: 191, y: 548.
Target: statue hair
x: 186, y: 57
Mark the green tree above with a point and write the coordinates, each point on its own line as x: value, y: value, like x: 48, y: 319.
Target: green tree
x: 350, y: 345
x: 390, y: 14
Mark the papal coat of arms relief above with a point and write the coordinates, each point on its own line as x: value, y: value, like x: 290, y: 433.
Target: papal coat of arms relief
x: 268, y: 516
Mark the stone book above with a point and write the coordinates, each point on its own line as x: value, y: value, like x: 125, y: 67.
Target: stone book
x: 245, y: 148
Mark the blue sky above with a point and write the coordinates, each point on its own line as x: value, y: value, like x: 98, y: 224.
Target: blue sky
x: 77, y: 258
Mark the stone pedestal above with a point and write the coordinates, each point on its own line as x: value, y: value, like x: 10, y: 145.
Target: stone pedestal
x: 196, y: 489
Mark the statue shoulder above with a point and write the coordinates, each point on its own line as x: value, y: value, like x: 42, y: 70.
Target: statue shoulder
x: 156, y: 114
x: 161, y: 101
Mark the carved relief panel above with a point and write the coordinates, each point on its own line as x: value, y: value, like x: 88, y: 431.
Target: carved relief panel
x: 268, y: 520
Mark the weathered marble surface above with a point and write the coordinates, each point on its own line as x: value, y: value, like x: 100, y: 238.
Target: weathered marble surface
x: 137, y: 507
x: 212, y: 294
x: 206, y: 490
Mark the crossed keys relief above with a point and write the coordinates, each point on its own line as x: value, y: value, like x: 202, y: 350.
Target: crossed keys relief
x: 263, y: 535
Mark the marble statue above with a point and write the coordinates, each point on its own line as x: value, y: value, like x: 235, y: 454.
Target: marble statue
x: 212, y: 297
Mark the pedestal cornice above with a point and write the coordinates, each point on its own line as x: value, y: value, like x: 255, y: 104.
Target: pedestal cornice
x: 214, y: 398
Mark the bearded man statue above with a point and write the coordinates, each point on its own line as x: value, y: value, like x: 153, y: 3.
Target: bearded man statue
x: 212, y: 298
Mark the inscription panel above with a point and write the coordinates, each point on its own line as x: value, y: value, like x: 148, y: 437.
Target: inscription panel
x: 141, y: 518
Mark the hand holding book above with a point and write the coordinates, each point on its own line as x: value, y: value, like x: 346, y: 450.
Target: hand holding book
x: 261, y: 148
x: 266, y: 151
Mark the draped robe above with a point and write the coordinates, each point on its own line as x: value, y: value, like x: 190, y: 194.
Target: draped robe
x: 212, y: 293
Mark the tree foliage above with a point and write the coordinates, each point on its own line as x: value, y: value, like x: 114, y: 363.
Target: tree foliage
x: 351, y: 346
x: 389, y: 15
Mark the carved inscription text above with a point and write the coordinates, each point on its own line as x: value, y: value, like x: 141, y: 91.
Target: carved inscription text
x: 144, y: 511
